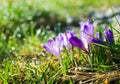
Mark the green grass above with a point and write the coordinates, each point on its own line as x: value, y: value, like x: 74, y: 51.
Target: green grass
x: 22, y: 57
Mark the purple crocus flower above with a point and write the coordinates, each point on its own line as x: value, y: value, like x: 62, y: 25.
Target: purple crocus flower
x: 87, y: 31
x: 75, y: 41
x: 55, y: 46
x: 109, y: 35
x: 86, y: 34
x: 100, y: 38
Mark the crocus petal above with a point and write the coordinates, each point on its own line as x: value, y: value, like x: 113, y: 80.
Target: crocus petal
x: 50, y: 42
x: 69, y: 34
x: 66, y: 42
x: 77, y: 43
x: 85, y: 42
x: 60, y: 41
x: 54, y: 44
x: 109, y: 35
x: 52, y: 51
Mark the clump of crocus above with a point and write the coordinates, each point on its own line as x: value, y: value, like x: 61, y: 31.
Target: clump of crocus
x: 55, y: 46
x: 100, y: 38
x: 87, y: 37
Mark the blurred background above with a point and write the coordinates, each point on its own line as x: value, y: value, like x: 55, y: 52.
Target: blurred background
x: 26, y: 24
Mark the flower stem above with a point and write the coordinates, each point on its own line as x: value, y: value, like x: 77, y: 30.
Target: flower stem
x: 72, y: 57
x: 63, y: 68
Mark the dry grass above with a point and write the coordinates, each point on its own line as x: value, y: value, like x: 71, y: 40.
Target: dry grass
x: 86, y: 77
